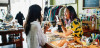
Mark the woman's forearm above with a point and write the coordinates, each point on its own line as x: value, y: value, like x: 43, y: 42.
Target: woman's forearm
x: 64, y: 29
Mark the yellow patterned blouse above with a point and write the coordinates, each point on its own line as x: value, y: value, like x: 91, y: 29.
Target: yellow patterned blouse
x: 76, y: 27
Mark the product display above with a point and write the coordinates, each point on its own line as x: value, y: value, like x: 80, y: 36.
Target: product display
x: 50, y: 23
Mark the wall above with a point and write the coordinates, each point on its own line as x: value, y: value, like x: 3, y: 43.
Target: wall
x: 80, y: 6
x: 60, y: 2
x: 81, y: 11
x: 3, y: 1
x: 52, y: 2
x: 23, y: 6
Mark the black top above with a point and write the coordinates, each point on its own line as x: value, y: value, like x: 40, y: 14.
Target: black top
x: 20, y: 18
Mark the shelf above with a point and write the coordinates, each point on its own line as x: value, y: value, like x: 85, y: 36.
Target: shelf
x: 89, y: 32
x: 89, y: 22
x: 2, y: 44
x: 91, y: 7
x: 92, y: 31
x: 19, y: 42
x: 11, y: 42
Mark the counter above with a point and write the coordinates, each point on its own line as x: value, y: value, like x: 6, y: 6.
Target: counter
x: 61, y: 41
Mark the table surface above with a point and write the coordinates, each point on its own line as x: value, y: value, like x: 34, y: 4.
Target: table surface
x: 61, y: 42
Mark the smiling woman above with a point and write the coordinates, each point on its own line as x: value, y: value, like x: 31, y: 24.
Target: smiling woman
x: 73, y: 26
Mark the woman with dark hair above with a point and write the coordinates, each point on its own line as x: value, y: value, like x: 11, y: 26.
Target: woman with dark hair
x: 34, y: 35
x: 73, y: 25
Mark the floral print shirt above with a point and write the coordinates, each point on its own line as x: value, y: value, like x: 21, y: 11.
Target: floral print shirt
x: 76, y: 27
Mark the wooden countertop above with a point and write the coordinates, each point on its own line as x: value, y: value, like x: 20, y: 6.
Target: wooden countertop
x: 60, y: 43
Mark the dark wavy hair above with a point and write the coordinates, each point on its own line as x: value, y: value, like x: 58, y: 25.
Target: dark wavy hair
x: 72, y: 12
x: 34, y: 13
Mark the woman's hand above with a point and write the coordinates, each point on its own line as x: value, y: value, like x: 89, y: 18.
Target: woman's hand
x: 46, y: 27
x: 59, y: 22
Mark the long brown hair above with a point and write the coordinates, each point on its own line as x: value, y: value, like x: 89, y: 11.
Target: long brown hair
x: 34, y: 13
x: 73, y: 14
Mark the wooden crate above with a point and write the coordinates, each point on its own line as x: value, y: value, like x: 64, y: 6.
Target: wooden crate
x: 89, y: 24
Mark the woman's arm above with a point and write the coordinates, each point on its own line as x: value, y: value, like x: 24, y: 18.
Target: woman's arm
x: 46, y: 27
x: 64, y: 29
x: 69, y: 31
x: 66, y: 32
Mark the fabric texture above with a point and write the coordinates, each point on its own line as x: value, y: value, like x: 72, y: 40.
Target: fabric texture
x: 61, y: 12
x: 57, y: 10
x: 76, y: 26
x: 36, y: 38
x: 46, y: 12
